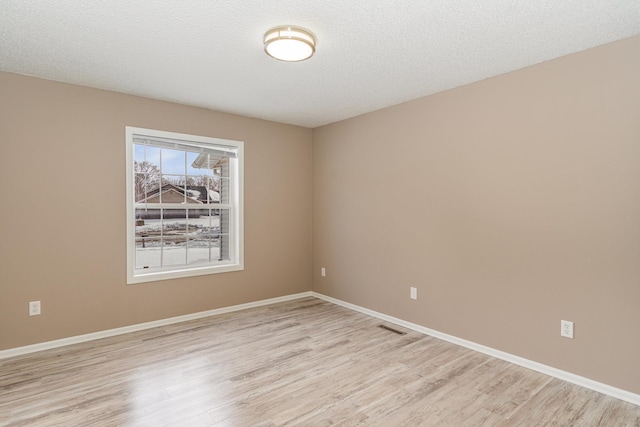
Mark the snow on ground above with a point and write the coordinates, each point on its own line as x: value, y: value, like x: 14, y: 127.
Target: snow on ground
x: 174, y: 256
x: 200, y: 247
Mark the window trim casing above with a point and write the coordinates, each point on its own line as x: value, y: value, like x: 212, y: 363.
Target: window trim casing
x: 237, y: 217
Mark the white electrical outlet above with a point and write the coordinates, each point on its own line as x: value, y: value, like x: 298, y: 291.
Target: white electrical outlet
x: 413, y: 293
x: 34, y: 308
x: 566, y: 329
x: 323, y: 272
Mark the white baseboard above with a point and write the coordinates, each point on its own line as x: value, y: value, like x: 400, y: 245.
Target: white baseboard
x: 526, y: 363
x: 142, y: 326
x: 608, y: 390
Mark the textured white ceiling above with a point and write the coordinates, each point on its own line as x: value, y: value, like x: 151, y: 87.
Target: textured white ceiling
x: 370, y: 54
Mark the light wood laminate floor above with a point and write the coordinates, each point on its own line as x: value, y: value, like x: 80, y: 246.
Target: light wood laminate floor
x: 304, y: 363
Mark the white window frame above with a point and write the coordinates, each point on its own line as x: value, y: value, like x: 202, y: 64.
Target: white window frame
x: 236, y: 232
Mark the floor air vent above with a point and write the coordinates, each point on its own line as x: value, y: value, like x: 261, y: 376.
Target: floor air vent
x: 388, y: 328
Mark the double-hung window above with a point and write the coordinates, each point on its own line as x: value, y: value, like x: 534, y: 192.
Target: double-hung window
x: 184, y: 205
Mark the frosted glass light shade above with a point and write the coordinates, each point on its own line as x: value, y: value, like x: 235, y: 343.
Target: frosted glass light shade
x: 289, y: 43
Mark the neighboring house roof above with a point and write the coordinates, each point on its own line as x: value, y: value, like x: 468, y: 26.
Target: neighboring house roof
x: 169, y: 193
x: 213, y: 158
x: 214, y: 196
x: 199, y: 192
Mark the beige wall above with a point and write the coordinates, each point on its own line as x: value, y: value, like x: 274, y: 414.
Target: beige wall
x: 62, y: 219
x: 510, y: 204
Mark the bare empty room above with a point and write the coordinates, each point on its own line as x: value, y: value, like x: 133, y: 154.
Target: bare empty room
x: 320, y: 213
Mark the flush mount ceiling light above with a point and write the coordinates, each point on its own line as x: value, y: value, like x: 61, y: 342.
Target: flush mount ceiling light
x: 289, y: 43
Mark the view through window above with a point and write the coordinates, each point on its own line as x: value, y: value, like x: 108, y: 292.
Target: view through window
x: 184, y: 203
